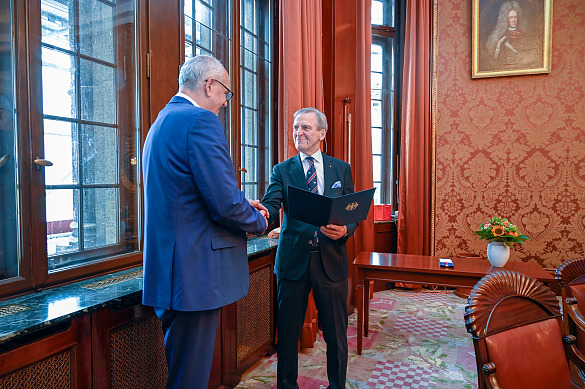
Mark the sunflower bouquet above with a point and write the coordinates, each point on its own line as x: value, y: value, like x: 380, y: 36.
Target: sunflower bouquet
x: 500, y: 229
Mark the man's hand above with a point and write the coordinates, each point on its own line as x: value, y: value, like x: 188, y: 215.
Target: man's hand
x: 266, y: 219
x: 274, y: 233
x: 263, y: 210
x: 333, y: 231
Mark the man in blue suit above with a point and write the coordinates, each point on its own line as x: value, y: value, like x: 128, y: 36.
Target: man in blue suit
x: 310, y: 258
x: 196, y: 220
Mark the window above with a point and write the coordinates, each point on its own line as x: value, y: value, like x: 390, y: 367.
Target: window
x: 385, y: 82
x: 71, y: 130
x: 207, y: 31
x: 83, y: 71
x: 80, y: 200
x: 9, y: 205
x: 256, y: 97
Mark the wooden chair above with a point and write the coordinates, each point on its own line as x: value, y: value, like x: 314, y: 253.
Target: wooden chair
x: 517, y: 332
x: 571, y: 277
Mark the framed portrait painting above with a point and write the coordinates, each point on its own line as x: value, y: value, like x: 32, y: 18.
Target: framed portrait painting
x: 511, y: 37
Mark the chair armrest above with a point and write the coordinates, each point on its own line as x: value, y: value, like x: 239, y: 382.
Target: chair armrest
x: 574, y: 313
x: 573, y: 352
x: 490, y: 373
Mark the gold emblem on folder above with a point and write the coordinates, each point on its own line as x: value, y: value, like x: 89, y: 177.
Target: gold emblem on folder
x: 352, y: 206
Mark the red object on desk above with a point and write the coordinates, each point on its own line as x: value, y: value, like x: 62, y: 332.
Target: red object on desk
x: 382, y: 212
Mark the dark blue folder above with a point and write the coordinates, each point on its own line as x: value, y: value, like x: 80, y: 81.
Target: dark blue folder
x: 321, y: 210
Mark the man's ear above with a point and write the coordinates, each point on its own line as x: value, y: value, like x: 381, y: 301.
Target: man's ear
x: 207, y: 87
x: 323, y: 132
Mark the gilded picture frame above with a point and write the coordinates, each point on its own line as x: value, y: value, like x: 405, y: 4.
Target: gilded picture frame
x: 511, y: 37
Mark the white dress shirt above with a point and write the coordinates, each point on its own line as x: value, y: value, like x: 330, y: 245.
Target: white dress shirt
x: 179, y: 94
x: 318, y: 157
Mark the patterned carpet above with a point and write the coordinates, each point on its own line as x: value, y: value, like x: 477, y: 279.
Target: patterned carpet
x: 417, y: 339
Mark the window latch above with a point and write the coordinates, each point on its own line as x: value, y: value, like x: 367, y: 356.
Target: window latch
x: 4, y: 159
x: 42, y: 163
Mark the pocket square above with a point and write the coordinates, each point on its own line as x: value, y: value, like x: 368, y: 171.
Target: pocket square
x: 336, y: 185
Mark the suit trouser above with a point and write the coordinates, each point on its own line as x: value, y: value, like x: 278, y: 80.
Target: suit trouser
x: 189, y: 343
x: 331, y: 301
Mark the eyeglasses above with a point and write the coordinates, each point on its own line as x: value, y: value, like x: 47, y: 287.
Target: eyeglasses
x: 228, y: 95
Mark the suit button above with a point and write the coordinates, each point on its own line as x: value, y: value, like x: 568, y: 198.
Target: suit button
x: 311, y: 242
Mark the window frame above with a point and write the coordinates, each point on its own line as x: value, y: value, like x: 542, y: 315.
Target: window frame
x: 26, y: 230
x: 234, y: 110
x: 34, y: 273
x: 264, y: 154
x: 227, y: 115
x: 156, y: 60
x: 389, y: 36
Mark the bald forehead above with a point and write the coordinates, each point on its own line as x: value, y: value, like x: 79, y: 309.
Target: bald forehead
x: 225, y: 77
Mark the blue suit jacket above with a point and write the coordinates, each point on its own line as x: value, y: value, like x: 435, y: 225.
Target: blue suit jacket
x: 292, y: 255
x: 195, y: 216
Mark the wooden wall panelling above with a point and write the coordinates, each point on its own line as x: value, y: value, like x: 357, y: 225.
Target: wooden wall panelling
x: 339, y: 68
x: 127, y: 348
x: 227, y: 343
x: 256, y: 322
x: 122, y: 346
x: 339, y: 83
x: 386, y: 236
x: 248, y: 327
x: 164, y: 52
x: 385, y: 241
x: 61, y: 360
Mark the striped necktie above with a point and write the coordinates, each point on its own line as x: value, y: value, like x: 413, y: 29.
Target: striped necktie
x: 312, y: 175
x: 312, y: 184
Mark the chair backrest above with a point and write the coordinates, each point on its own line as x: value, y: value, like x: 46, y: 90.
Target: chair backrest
x: 571, y: 272
x: 515, y: 323
x: 571, y: 278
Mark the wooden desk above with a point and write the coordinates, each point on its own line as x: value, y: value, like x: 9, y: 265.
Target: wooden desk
x: 424, y: 269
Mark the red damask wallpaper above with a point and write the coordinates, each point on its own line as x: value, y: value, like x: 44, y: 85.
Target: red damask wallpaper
x: 511, y: 146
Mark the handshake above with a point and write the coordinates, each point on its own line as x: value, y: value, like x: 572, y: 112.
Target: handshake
x: 262, y: 209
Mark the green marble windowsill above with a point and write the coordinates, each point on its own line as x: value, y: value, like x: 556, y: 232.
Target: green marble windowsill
x: 34, y: 312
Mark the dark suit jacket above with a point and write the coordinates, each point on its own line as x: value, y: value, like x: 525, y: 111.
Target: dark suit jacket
x: 195, y: 216
x: 292, y: 255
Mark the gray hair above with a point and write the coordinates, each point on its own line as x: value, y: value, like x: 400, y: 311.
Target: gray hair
x: 197, y: 69
x: 502, y: 24
x: 321, y: 118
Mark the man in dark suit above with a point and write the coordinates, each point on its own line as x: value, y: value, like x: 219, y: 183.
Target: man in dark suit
x: 196, y: 220
x: 307, y: 257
